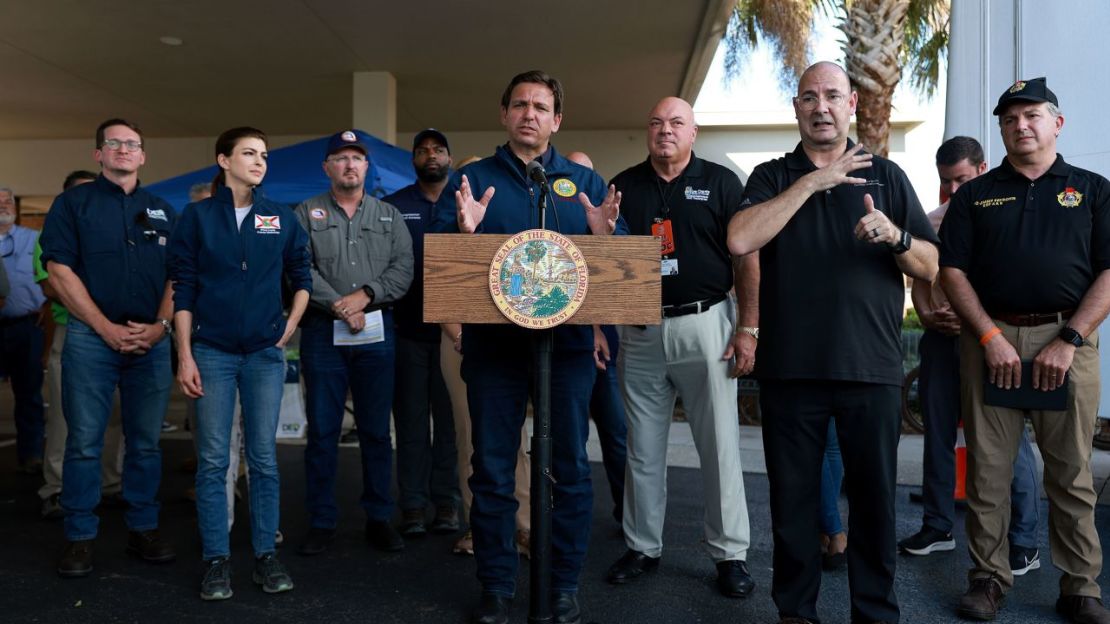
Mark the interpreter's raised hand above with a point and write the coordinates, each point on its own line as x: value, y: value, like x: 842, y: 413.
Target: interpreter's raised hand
x: 874, y: 227
x: 1003, y: 363
x: 1051, y: 364
x: 602, y: 219
x: 471, y: 211
x: 188, y: 377
x: 837, y: 172
x: 742, y: 346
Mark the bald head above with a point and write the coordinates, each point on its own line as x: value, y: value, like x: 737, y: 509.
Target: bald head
x: 824, y: 107
x: 671, y: 132
x: 826, y: 70
x: 581, y: 158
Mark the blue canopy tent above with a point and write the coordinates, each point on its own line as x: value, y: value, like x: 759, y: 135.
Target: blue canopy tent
x: 294, y: 173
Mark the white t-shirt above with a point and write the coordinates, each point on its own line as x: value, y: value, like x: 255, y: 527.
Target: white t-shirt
x: 240, y: 214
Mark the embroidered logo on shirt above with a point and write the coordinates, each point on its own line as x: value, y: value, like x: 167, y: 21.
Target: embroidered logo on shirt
x: 993, y: 202
x: 318, y: 213
x: 267, y: 225
x: 156, y: 214
x: 564, y: 188
x: 1070, y: 198
x: 411, y: 216
x: 697, y: 194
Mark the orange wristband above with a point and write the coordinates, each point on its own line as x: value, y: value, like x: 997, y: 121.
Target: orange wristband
x: 987, y: 337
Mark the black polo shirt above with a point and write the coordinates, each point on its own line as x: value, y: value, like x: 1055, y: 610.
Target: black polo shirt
x: 1029, y: 246
x: 408, y: 312
x: 830, y: 306
x: 699, y: 204
x: 116, y: 243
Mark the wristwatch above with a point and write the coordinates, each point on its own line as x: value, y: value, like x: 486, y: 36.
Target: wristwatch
x: 166, y: 325
x: 1071, y: 336
x: 751, y: 331
x: 903, y: 244
x: 369, y: 293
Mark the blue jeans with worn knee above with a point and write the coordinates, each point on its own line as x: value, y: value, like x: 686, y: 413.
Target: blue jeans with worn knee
x: 832, y: 475
x: 93, y: 371
x: 367, y: 370
x: 258, y: 378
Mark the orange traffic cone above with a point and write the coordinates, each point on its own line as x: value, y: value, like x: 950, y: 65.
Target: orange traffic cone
x: 960, y: 492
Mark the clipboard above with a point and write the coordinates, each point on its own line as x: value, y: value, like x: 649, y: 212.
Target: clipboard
x: 1025, y: 397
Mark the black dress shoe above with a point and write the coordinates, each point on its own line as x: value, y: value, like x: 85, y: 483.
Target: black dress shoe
x: 149, y: 546
x: 383, y: 536
x: 492, y: 609
x: 76, y: 559
x: 733, y: 579
x: 629, y: 566
x: 317, y: 541
x: 565, y: 608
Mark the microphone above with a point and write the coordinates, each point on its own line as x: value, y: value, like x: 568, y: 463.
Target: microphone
x: 536, y: 172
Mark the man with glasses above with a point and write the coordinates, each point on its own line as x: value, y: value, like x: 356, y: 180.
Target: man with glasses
x: 104, y: 245
x: 21, y: 335
x: 427, y: 471
x: 361, y: 264
x: 836, y: 229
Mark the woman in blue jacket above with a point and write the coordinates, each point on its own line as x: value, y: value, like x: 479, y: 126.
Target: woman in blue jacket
x: 228, y: 257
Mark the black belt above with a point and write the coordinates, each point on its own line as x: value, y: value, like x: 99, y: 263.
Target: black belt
x: 694, y: 307
x: 1032, y: 320
x: 15, y: 320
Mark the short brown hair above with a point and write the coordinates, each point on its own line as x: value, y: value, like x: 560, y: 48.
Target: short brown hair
x: 116, y: 121
x: 537, y: 76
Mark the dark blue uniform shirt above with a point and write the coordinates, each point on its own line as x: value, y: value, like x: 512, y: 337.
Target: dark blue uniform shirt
x: 408, y: 313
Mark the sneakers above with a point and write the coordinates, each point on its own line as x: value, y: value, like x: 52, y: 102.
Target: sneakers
x: 271, y: 575
x: 927, y: 540
x: 1024, y: 559
x: 412, y: 523
x: 52, y: 508
x: 216, y: 584
x: 446, y: 521
x: 168, y: 427
x: 465, y: 545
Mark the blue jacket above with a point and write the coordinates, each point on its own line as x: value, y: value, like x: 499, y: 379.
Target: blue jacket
x: 230, y: 278
x: 512, y: 210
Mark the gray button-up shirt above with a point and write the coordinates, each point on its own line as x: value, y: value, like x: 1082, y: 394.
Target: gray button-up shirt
x: 374, y: 248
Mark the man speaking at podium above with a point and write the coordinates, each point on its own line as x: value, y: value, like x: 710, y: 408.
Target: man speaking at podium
x: 496, y: 196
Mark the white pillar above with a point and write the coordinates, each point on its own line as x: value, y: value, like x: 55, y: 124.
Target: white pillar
x: 374, y: 104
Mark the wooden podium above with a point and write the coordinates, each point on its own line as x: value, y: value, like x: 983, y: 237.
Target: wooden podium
x: 624, y: 289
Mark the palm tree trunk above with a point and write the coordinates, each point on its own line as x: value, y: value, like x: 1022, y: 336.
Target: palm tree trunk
x: 874, y: 30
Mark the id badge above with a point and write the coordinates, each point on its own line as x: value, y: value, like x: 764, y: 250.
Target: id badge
x: 669, y: 267
x: 661, y: 230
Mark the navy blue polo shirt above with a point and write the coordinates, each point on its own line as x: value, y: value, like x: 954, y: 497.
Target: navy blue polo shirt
x: 116, y: 243
x: 408, y: 313
x: 1029, y: 246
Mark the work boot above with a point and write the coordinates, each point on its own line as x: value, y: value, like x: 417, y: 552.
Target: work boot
x: 149, y: 546
x: 982, y: 600
x: 1083, y: 610
x: 76, y: 559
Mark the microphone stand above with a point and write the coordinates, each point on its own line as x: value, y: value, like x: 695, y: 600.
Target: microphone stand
x: 543, y: 344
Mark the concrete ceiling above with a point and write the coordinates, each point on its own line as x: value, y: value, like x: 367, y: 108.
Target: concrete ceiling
x: 286, y: 65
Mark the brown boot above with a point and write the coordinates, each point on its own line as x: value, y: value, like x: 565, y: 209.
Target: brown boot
x: 1083, y: 610
x: 982, y: 600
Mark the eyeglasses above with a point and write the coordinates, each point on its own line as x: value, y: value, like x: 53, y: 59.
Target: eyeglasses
x: 344, y: 160
x: 809, y: 101
x: 115, y: 144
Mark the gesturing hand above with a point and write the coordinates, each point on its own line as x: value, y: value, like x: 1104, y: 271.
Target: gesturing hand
x: 603, y: 219
x: 837, y: 172
x: 471, y: 211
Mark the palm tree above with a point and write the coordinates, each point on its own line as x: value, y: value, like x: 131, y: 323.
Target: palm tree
x: 882, y: 38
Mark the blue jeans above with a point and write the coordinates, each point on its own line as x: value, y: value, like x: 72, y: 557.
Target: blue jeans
x: 939, y: 388
x: 607, y: 410
x: 497, y: 387
x: 21, y: 341
x: 258, y: 378
x: 832, y: 474
x: 328, y: 372
x: 92, y: 371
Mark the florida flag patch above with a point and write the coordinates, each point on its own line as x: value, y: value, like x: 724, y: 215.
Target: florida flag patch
x: 267, y: 224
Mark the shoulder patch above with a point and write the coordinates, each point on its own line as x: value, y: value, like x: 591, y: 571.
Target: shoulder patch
x: 563, y: 187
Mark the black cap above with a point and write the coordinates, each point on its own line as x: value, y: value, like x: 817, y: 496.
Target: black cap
x: 430, y: 133
x: 343, y: 140
x: 1035, y: 90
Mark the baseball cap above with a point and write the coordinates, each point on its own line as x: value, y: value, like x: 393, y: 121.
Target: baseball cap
x: 343, y: 140
x: 430, y: 133
x: 1034, y: 90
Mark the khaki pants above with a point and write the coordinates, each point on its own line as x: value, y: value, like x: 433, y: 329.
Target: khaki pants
x: 111, y: 458
x: 1064, y: 438
x: 450, y: 361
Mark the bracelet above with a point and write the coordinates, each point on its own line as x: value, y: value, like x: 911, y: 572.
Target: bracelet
x: 987, y: 337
